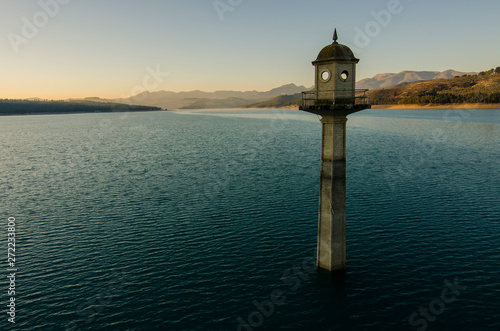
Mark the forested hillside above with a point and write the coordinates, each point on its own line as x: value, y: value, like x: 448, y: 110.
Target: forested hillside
x: 481, y: 88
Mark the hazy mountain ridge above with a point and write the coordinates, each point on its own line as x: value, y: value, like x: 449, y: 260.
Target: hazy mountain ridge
x: 284, y: 100
x: 200, y: 99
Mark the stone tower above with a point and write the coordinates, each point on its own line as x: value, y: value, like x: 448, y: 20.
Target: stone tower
x: 333, y: 98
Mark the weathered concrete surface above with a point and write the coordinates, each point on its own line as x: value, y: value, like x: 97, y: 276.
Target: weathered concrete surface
x: 331, y: 220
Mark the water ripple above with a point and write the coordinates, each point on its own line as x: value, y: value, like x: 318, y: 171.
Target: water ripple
x: 184, y: 222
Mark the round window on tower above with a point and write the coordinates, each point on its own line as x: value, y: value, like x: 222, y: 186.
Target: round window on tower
x: 325, y: 76
x: 344, y: 75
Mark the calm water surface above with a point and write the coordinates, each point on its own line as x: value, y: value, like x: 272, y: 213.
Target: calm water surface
x: 207, y: 220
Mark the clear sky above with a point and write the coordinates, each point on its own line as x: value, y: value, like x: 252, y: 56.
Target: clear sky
x: 78, y: 48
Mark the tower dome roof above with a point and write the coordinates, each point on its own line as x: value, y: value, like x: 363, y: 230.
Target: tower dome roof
x: 336, y: 52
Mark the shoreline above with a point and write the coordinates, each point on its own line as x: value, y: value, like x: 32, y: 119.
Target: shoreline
x: 438, y: 106
x: 80, y: 112
x: 428, y: 106
x: 403, y: 106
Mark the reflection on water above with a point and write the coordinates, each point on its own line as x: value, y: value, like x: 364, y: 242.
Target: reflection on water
x: 470, y: 126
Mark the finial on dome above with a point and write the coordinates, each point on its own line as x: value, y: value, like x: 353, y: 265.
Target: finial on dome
x: 335, y: 36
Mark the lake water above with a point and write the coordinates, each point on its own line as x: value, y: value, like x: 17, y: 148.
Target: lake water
x: 207, y: 220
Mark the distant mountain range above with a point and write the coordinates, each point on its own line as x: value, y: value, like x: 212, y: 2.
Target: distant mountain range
x: 284, y: 96
x: 280, y: 101
x: 389, y: 79
x: 204, y: 100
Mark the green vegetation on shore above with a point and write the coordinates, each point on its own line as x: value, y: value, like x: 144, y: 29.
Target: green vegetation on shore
x: 481, y: 88
x: 24, y: 107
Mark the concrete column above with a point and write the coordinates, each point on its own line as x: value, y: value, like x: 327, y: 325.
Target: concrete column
x: 331, y: 228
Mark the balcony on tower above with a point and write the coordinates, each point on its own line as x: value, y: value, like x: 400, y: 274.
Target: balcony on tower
x: 339, y: 98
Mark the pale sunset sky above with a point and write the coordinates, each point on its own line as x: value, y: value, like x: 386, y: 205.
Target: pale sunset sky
x: 58, y: 49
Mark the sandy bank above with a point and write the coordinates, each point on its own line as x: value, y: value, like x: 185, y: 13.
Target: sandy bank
x: 447, y: 106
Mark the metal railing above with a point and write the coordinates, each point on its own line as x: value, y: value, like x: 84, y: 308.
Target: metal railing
x: 336, y: 97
